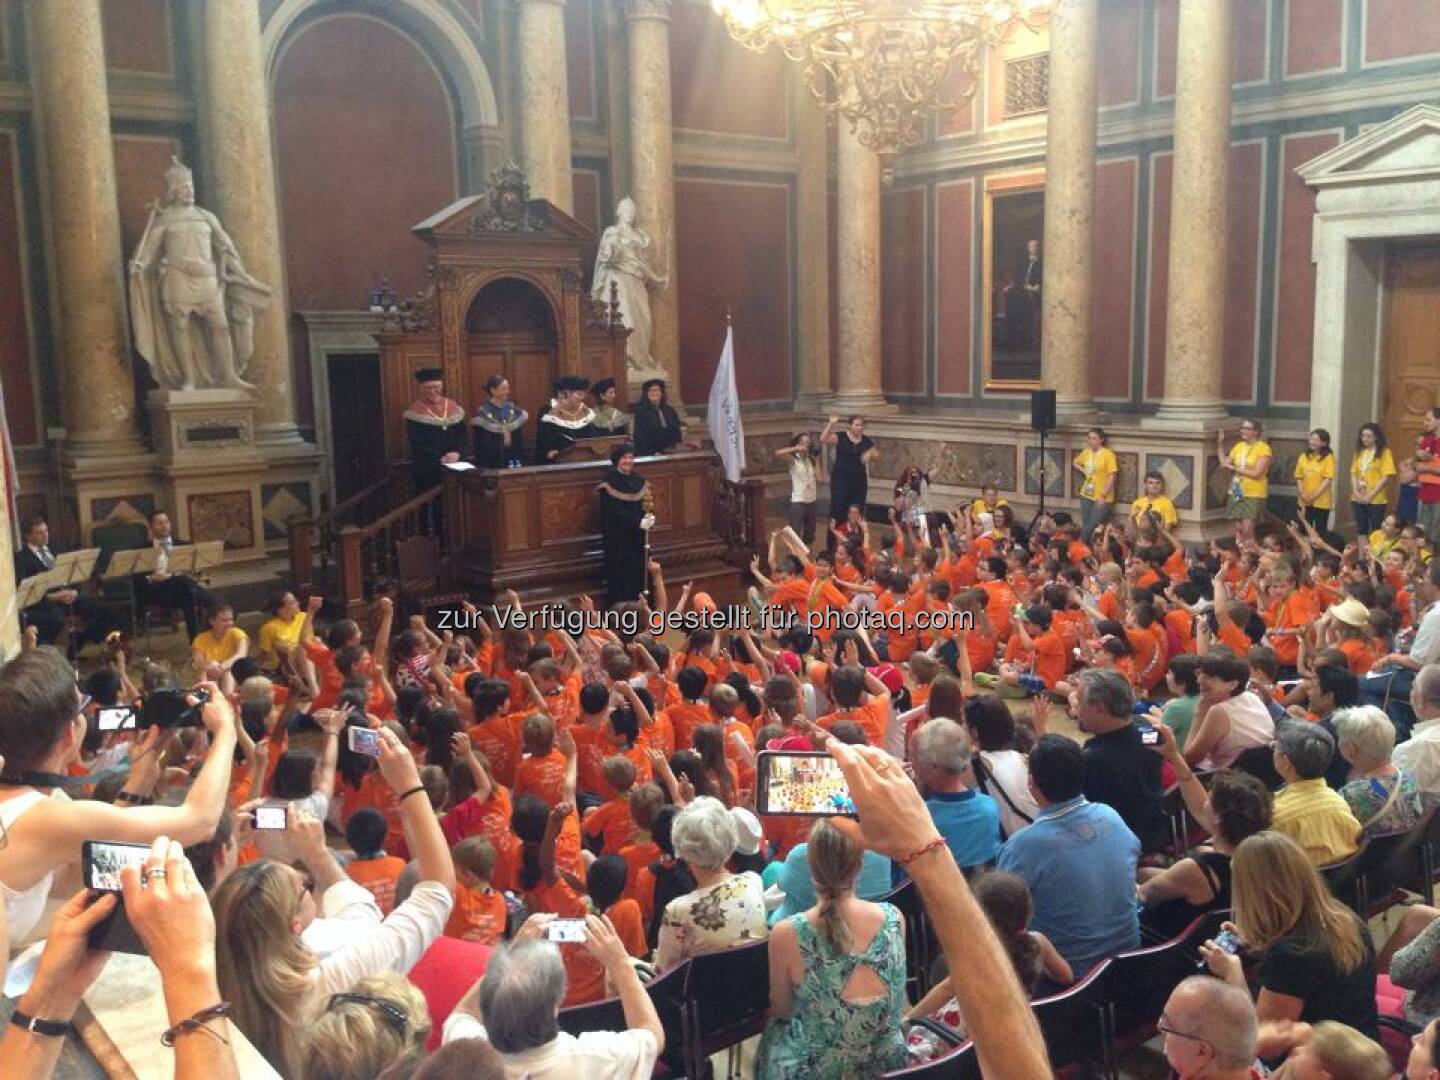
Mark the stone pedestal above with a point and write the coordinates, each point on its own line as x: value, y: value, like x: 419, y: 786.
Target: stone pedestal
x: 192, y: 427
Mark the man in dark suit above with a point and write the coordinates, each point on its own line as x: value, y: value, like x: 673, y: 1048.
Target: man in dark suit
x: 163, y: 589
x: 48, y: 615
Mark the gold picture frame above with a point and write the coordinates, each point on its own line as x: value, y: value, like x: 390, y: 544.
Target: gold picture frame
x: 1018, y: 201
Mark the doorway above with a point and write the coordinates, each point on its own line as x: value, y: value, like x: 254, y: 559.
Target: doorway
x: 1410, y: 370
x: 357, y: 412
x: 510, y: 331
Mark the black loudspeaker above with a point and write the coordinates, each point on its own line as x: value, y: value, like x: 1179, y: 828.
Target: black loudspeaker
x: 1042, y: 410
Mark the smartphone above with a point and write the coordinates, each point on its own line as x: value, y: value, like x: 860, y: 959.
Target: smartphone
x: 365, y: 741
x: 271, y: 817
x: 1227, y: 941
x: 1149, y: 736
x: 115, y: 718
x: 565, y: 930
x: 804, y: 783
x: 102, y: 862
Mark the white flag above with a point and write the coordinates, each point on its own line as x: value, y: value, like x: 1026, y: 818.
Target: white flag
x: 726, y: 428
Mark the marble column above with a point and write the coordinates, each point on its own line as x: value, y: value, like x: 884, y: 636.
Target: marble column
x: 1069, y: 246
x: 9, y: 611
x: 1195, y: 310
x: 812, y: 199
x: 240, y: 171
x: 545, y: 102
x: 857, y: 262
x: 73, y: 110
x: 652, y: 171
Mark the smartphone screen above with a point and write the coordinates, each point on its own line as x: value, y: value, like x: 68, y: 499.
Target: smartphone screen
x: 565, y: 930
x: 105, y: 858
x: 801, y: 782
x: 270, y: 817
x: 1148, y: 735
x: 115, y: 718
x: 365, y: 741
x: 1227, y: 941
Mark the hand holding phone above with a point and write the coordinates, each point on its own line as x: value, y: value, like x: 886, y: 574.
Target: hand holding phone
x: 801, y: 782
x: 563, y: 931
x: 115, y: 718
x: 365, y: 741
x: 271, y: 817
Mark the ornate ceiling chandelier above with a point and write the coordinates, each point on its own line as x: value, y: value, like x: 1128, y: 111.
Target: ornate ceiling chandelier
x: 884, y: 64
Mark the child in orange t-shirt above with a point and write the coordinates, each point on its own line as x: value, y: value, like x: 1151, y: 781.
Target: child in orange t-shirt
x: 479, y: 913
x: 495, y: 733
x: 646, y: 801
x: 692, y: 710
x: 605, y: 882
x: 544, y: 770
x: 371, y: 867
x: 611, y: 819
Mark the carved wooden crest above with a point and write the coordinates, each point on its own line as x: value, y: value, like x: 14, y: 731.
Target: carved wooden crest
x: 506, y: 206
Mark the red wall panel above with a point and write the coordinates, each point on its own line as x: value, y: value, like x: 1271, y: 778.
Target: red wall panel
x: 137, y: 36
x: 733, y: 247
x: 1120, y: 44
x: 1395, y: 29
x: 1295, y: 283
x: 365, y: 149
x: 902, y: 290
x: 1161, y: 175
x: 140, y: 164
x: 1249, y: 34
x: 22, y: 406
x: 1113, y: 297
x: 719, y: 85
x: 1242, y: 269
x: 1314, y: 35
x: 580, y: 59
x: 954, y: 284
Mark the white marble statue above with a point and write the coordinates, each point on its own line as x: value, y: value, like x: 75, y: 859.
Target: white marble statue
x: 624, y: 259
x: 192, y: 303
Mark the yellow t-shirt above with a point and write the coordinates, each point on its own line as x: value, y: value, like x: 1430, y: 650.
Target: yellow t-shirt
x: 1372, y: 468
x: 980, y: 506
x: 1246, y: 455
x: 277, y: 633
x: 1310, y: 473
x: 1161, y: 504
x: 1098, y: 466
x: 1381, y: 545
x: 217, y: 652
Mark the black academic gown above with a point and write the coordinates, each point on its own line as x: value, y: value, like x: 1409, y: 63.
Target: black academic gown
x: 553, y: 433
x: 622, y: 505
x: 657, y: 428
x: 492, y: 423
x: 431, y: 438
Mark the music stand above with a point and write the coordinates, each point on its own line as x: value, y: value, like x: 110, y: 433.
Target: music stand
x: 76, y: 566
x: 33, y: 589
x: 128, y: 562
x: 195, y: 559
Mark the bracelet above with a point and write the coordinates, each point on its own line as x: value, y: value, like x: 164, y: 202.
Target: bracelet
x: 131, y: 798
x: 925, y: 849
x: 197, y: 1023
x: 52, y: 1029
x: 418, y: 788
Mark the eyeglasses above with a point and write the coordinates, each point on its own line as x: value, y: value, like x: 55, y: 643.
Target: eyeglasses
x: 1165, y: 1029
x: 394, y: 1014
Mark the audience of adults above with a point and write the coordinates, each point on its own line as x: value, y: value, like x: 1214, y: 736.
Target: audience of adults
x: 1001, y: 769
x: 1311, y: 813
x: 1120, y: 770
x: 1229, y: 717
x: 1419, y: 755
x: 969, y: 822
x: 1383, y: 797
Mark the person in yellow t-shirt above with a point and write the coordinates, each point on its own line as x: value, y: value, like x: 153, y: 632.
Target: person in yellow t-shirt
x: 1097, y: 490
x: 987, y: 502
x: 1372, y: 472
x: 221, y: 645
x: 1249, y: 460
x: 281, y: 632
x: 1315, y: 479
x: 1154, y: 501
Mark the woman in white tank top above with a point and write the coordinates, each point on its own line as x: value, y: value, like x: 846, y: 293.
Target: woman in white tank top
x: 1229, y: 719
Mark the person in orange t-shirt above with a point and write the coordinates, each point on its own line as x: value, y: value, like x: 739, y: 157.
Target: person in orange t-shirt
x: 1147, y: 637
x: 1351, y: 618
x: 1286, y: 619
x: 544, y: 770
x: 495, y: 733
x: 1000, y: 598
x: 605, y: 882
x: 692, y: 710
x: 611, y: 821
x: 479, y: 914
x: 849, y: 684
x: 981, y: 643
x: 1035, y: 646
x: 548, y: 887
x: 371, y: 867
x: 479, y: 807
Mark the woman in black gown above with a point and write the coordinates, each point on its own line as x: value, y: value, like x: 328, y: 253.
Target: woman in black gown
x: 849, y: 481
x: 499, y: 428
x: 624, y: 520
x: 657, y: 424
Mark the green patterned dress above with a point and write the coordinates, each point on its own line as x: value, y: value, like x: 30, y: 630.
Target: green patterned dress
x: 826, y: 1037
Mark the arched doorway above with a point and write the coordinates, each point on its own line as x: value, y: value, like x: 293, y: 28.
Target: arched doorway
x: 510, y: 331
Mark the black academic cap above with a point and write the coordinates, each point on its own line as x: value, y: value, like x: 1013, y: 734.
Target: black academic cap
x: 572, y: 382
x: 429, y: 374
x: 645, y: 386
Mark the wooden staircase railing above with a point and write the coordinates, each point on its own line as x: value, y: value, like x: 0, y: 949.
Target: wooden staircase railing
x: 737, y: 514
x: 311, y: 536
x: 366, y: 553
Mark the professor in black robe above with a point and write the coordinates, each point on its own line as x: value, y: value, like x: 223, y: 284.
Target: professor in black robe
x: 563, y: 422
x: 623, y: 521
x: 435, y: 429
x: 657, y: 424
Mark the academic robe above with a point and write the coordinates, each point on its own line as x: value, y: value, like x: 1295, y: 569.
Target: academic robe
x: 611, y: 421
x: 657, y: 428
x: 492, y: 422
x: 557, y: 434
x: 431, y: 437
x: 622, y: 505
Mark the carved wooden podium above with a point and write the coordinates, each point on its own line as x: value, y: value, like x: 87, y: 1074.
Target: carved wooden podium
x: 508, y: 296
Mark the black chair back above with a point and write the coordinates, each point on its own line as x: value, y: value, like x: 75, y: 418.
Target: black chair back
x: 607, y: 1015
x: 1392, y: 864
x: 1344, y: 879
x: 961, y: 1064
x: 1259, y: 762
x: 728, y: 994
x: 919, y: 950
x: 1075, y: 1023
x: 667, y: 991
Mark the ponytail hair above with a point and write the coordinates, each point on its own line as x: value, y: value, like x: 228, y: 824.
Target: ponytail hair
x: 528, y: 819
x: 835, y: 861
x: 1005, y: 899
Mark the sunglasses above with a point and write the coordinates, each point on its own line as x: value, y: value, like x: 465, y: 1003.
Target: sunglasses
x: 394, y: 1014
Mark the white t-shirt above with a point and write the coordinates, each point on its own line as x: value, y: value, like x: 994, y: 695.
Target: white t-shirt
x: 1012, y: 773
x: 595, y: 1055
x: 802, y: 478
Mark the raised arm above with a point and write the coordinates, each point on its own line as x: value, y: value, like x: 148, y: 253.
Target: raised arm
x: 380, y: 651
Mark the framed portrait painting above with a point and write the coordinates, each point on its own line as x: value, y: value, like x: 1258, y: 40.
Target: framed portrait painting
x: 1014, y: 272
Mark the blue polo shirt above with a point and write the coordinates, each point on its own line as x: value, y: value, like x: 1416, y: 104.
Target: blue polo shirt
x: 970, y: 824
x: 1079, y: 860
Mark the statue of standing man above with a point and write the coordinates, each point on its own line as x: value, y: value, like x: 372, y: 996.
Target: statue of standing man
x: 192, y: 303
x: 624, y: 259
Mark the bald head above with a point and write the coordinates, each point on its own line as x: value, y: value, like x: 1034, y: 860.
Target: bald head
x: 1425, y: 692
x: 1223, y: 1016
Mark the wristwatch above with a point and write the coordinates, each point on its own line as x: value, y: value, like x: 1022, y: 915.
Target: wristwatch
x: 36, y: 1026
